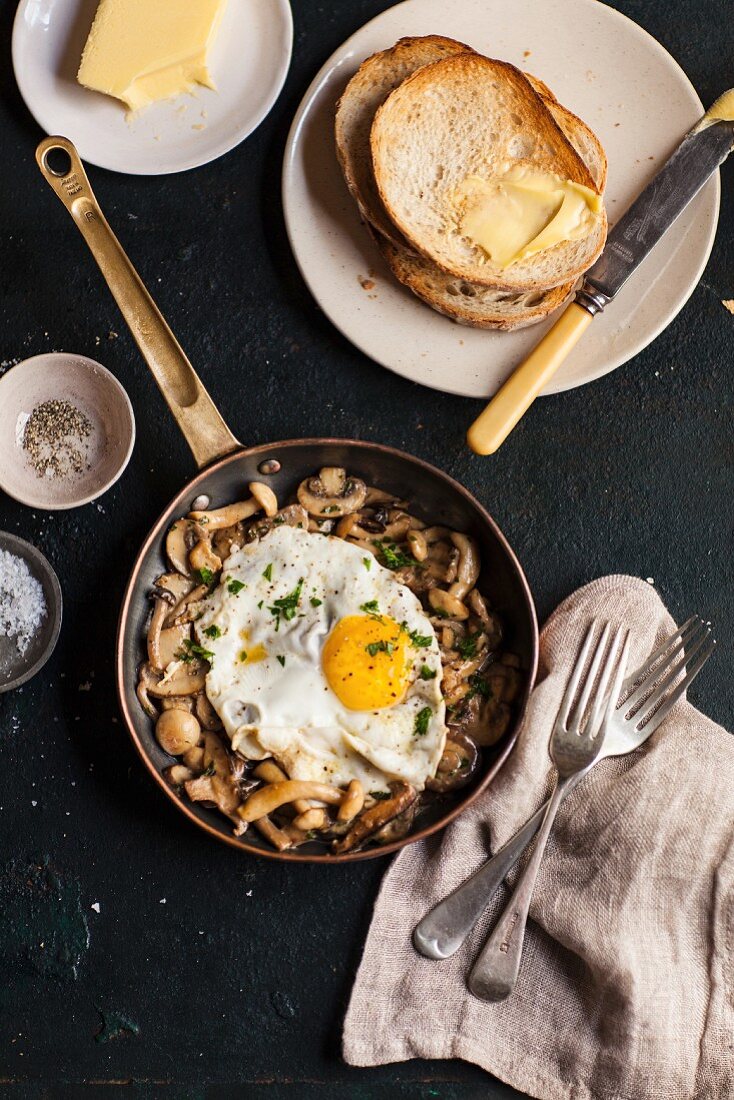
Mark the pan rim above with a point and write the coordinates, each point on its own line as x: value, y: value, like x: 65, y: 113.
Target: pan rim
x: 441, y: 823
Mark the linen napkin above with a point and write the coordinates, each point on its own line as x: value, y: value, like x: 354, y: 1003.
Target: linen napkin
x: 626, y: 988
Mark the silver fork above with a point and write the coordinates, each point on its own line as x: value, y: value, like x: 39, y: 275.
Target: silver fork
x: 577, y: 737
x: 648, y: 692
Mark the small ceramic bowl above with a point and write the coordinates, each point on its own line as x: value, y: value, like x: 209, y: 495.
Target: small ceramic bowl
x: 16, y: 668
x: 98, y: 458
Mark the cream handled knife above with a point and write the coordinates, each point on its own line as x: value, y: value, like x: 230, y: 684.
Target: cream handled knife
x: 637, y: 232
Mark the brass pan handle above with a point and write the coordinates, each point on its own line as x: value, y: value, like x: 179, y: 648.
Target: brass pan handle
x: 196, y: 414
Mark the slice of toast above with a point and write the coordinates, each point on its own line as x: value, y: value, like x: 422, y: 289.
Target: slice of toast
x: 470, y: 115
x: 479, y: 306
x: 469, y: 303
x: 368, y: 89
x: 465, y: 302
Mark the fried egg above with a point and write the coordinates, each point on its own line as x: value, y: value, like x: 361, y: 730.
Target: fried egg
x: 322, y: 660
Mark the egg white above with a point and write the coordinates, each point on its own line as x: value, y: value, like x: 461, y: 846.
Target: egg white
x: 285, y: 708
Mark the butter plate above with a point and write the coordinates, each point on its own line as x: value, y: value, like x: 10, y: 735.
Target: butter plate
x: 604, y: 68
x: 249, y: 63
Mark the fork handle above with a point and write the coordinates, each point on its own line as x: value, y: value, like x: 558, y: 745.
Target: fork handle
x: 445, y: 927
x: 495, y: 971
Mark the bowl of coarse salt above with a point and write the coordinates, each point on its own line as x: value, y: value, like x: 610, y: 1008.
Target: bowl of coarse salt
x: 30, y: 611
x: 66, y: 430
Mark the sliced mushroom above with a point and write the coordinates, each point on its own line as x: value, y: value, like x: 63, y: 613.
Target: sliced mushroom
x: 178, y: 702
x: 332, y: 493
x: 490, y: 621
x: 178, y: 544
x: 468, y: 566
x: 399, y: 827
x: 379, y: 496
x: 224, y: 782
x: 177, y: 774
x: 173, y: 586
x: 447, y: 604
x: 185, y: 610
x: 181, y: 678
x: 496, y: 725
x: 378, y: 815
x: 171, y: 642
x: 194, y: 758
x: 157, y: 618
x: 205, y: 712
x: 147, y: 679
x: 202, y: 557
x: 225, y: 538
x: 312, y: 818
x: 177, y: 731
x: 291, y: 516
x: 457, y: 765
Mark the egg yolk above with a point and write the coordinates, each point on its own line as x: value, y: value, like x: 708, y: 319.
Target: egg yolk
x: 366, y: 661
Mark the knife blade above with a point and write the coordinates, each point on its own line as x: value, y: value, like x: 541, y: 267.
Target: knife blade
x: 653, y: 212
x: 702, y: 150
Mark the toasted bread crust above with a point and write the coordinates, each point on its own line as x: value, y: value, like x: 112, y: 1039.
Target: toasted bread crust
x: 468, y: 303
x: 430, y: 111
x: 368, y: 89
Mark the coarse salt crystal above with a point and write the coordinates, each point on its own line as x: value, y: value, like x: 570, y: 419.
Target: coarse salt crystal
x: 22, y: 603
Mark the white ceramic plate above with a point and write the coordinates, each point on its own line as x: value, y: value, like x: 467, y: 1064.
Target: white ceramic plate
x: 249, y: 63
x: 600, y: 65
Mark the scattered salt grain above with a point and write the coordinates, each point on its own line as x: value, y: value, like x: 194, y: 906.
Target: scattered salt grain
x: 95, y: 906
x: 22, y: 603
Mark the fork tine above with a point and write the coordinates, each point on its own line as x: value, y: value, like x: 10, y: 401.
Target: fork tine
x: 589, y: 681
x: 651, y: 721
x: 691, y: 639
x: 605, y: 698
x: 655, y: 719
x: 578, y: 668
x: 633, y: 706
x: 647, y: 665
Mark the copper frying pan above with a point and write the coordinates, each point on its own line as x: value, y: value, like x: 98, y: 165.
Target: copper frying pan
x: 225, y: 466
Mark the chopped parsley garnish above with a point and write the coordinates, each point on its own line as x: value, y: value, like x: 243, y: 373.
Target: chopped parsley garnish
x: 277, y: 521
x: 243, y: 656
x: 422, y: 718
x: 479, y: 686
x: 287, y: 605
x: 315, y: 602
x: 210, y: 770
x: 268, y: 571
x: 205, y: 575
x: 380, y: 647
x: 331, y: 508
x: 193, y: 650
x: 371, y: 608
x: 235, y: 587
x: 261, y: 603
x: 281, y: 660
x: 367, y: 563
x: 420, y: 641
x: 392, y: 556
x: 467, y: 647
x: 379, y: 796
x: 427, y: 673
x: 213, y: 631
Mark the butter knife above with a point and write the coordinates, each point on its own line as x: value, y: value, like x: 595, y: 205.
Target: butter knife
x: 699, y: 154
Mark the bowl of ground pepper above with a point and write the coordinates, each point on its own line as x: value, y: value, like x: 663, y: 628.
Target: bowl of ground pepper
x: 66, y: 430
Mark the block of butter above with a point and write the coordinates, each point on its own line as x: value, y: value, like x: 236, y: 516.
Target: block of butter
x: 140, y: 51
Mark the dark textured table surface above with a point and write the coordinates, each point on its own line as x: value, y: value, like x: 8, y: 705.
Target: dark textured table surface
x: 133, y: 948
